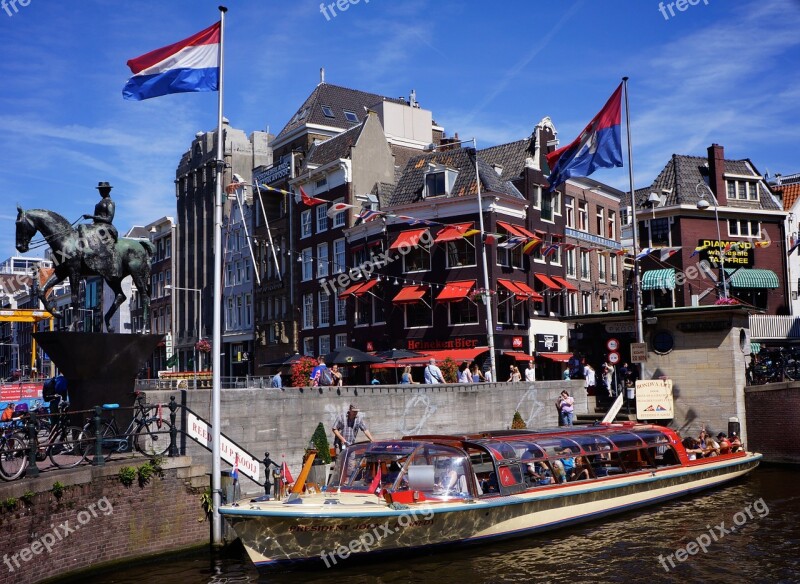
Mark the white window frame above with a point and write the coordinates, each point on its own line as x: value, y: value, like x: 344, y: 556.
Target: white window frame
x: 450, y: 306
x: 308, y: 347
x: 322, y: 260
x: 586, y: 265
x: 614, y: 269
x: 339, y: 256
x: 324, y: 344
x: 583, y: 216
x: 308, y: 311
x: 340, y: 218
x: 305, y: 224
x: 307, y: 271
x: 571, y: 262
x: 601, y: 268
x: 322, y: 218
x: 324, y: 308
x: 611, y: 225
x: 746, y: 233
x: 340, y: 340
x: 417, y: 306
x: 340, y: 306
x: 569, y: 211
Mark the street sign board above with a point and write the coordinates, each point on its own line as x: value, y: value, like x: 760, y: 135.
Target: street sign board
x: 612, y: 344
x: 654, y: 399
x: 613, y: 357
x: 620, y: 327
x: 638, y: 352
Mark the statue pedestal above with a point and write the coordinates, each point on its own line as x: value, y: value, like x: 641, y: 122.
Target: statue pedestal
x: 99, y: 367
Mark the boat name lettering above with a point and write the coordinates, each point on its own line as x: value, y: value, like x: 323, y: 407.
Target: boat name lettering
x: 307, y: 528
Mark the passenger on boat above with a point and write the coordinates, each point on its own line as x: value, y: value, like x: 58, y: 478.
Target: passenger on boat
x: 489, y: 484
x: 708, y: 445
x: 692, y: 447
x: 736, y: 443
x: 538, y: 474
x: 581, y: 470
x: 724, y: 443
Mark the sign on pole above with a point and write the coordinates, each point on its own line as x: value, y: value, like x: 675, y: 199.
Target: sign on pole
x: 613, y: 357
x: 199, y: 431
x: 638, y: 352
x: 654, y: 399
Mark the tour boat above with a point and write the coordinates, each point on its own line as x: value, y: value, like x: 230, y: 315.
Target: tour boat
x: 425, y: 492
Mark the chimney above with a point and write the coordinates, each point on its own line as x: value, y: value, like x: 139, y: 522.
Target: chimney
x: 321, y: 75
x: 716, y: 170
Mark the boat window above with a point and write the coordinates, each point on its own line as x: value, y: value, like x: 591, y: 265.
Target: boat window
x: 363, y: 465
x: 526, y: 450
x: 501, y: 450
x: 626, y: 440
x: 638, y: 459
x: 593, y: 442
x: 555, y: 447
x: 437, y: 471
x: 652, y: 437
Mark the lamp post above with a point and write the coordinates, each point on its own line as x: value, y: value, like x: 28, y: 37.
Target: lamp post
x: 199, y: 321
x: 703, y: 204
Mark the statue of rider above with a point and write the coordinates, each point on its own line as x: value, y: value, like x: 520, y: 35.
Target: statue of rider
x: 104, y: 212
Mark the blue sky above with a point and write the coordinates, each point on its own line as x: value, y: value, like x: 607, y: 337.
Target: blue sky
x: 723, y: 71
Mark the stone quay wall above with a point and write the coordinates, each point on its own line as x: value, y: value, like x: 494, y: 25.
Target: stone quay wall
x: 282, y: 422
x: 773, y: 421
x: 96, y: 519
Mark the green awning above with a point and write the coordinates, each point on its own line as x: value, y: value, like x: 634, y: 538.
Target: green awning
x: 752, y: 278
x: 755, y: 348
x: 659, y: 279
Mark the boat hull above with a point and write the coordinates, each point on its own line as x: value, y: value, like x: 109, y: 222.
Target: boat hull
x: 276, y: 533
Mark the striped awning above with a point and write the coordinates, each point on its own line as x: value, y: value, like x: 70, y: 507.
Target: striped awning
x: 659, y: 279
x: 752, y: 278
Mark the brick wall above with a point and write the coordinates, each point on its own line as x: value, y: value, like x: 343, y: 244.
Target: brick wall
x: 97, y: 519
x: 773, y: 421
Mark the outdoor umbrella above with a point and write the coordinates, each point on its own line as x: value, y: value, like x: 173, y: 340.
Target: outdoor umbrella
x: 350, y: 356
x: 395, y: 355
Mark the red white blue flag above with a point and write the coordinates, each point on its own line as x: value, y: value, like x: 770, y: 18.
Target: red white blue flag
x: 186, y: 66
x: 598, y: 146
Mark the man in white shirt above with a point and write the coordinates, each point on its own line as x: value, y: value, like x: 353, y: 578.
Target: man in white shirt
x: 530, y: 373
x: 432, y: 373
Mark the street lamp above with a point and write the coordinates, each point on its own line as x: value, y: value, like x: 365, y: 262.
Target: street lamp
x: 703, y: 204
x: 199, y: 321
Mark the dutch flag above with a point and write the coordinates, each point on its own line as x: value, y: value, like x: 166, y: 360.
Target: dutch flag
x: 186, y: 66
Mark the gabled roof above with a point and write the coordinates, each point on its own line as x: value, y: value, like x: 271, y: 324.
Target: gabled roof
x: 412, y: 181
x: 790, y: 193
x: 681, y: 175
x: 339, y: 99
x: 511, y: 157
x: 337, y: 147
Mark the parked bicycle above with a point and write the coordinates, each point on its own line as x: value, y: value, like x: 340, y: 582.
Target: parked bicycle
x: 148, y: 432
x: 64, y: 444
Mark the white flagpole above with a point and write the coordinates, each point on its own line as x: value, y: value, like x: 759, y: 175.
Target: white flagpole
x: 216, y: 340
x: 637, y: 291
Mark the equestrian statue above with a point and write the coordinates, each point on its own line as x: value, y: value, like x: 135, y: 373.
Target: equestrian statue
x: 90, y: 250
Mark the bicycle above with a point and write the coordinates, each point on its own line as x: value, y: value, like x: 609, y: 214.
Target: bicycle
x: 63, y: 444
x: 148, y: 432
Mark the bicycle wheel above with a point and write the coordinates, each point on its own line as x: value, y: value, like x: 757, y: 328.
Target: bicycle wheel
x: 107, y: 438
x: 70, y: 448
x: 13, y: 457
x: 152, y: 437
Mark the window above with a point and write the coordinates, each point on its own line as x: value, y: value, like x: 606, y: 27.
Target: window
x: 510, y: 257
x: 322, y: 218
x: 305, y: 223
x: 229, y: 314
x: 248, y: 310
x: 308, y: 347
x: 744, y: 228
x: 601, y: 267
x: 613, y: 262
x: 611, y: 225
x: 743, y: 190
x: 328, y: 111
x: 510, y: 311
x: 363, y: 309
x: 418, y: 259
x: 583, y: 216
x: 324, y: 309
x: 339, y: 218
x: 339, y: 262
x: 461, y: 252
x: 586, y: 299
x: 555, y: 255
x: 569, y: 210
x: 626, y: 215
x: 570, y: 254
x: 419, y: 314
x: 239, y: 312
x: 308, y: 311
x: 341, y: 309
x: 547, y: 206
x: 615, y: 305
x: 322, y: 260
x: 586, y: 273
x: 340, y: 340
x: 659, y: 231
x: 350, y: 116
x: 600, y: 226
x: 324, y: 345
x: 464, y: 312
x: 439, y: 180
x: 308, y: 267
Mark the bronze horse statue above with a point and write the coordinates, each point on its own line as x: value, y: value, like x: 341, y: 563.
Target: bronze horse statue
x: 88, y: 250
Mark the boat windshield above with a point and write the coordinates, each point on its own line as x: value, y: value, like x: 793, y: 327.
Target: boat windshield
x: 358, y: 466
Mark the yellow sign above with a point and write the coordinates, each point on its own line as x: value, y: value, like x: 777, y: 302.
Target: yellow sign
x: 654, y: 399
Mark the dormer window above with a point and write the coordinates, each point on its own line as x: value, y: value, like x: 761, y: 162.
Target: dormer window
x: 328, y: 111
x: 742, y: 190
x: 350, y: 116
x: 303, y: 113
x: 439, y: 180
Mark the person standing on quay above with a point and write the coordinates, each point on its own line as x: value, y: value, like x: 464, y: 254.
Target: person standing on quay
x: 566, y: 408
x: 530, y: 373
x: 433, y: 374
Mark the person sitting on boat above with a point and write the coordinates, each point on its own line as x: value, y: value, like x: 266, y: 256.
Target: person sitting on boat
x: 707, y: 444
x: 538, y: 474
x: 581, y: 470
x: 347, y: 426
x: 489, y: 484
x: 724, y: 443
x: 692, y: 447
x: 736, y: 443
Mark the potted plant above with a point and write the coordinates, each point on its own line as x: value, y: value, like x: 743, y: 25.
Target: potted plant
x: 322, y: 461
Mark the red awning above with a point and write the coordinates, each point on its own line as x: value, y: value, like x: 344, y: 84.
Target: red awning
x: 410, y: 294
x: 520, y: 289
x: 358, y: 289
x: 519, y: 356
x: 455, y: 291
x: 560, y: 357
x: 409, y: 238
x: 457, y: 355
x: 569, y: 286
x: 517, y: 230
x: 453, y: 232
x: 547, y: 282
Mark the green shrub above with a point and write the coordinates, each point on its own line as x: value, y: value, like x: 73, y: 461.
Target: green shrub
x: 58, y: 489
x: 127, y: 475
x: 28, y: 496
x: 518, y: 423
x: 10, y: 503
x: 320, y: 440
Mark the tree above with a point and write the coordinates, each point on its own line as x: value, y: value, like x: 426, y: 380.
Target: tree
x: 518, y: 423
x: 320, y: 440
x: 301, y: 371
x: 449, y: 370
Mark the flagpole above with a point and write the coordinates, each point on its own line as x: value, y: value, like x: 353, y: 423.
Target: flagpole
x: 637, y: 291
x: 216, y: 471
x: 487, y: 297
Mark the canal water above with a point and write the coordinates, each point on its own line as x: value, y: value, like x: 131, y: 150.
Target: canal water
x: 749, y: 529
